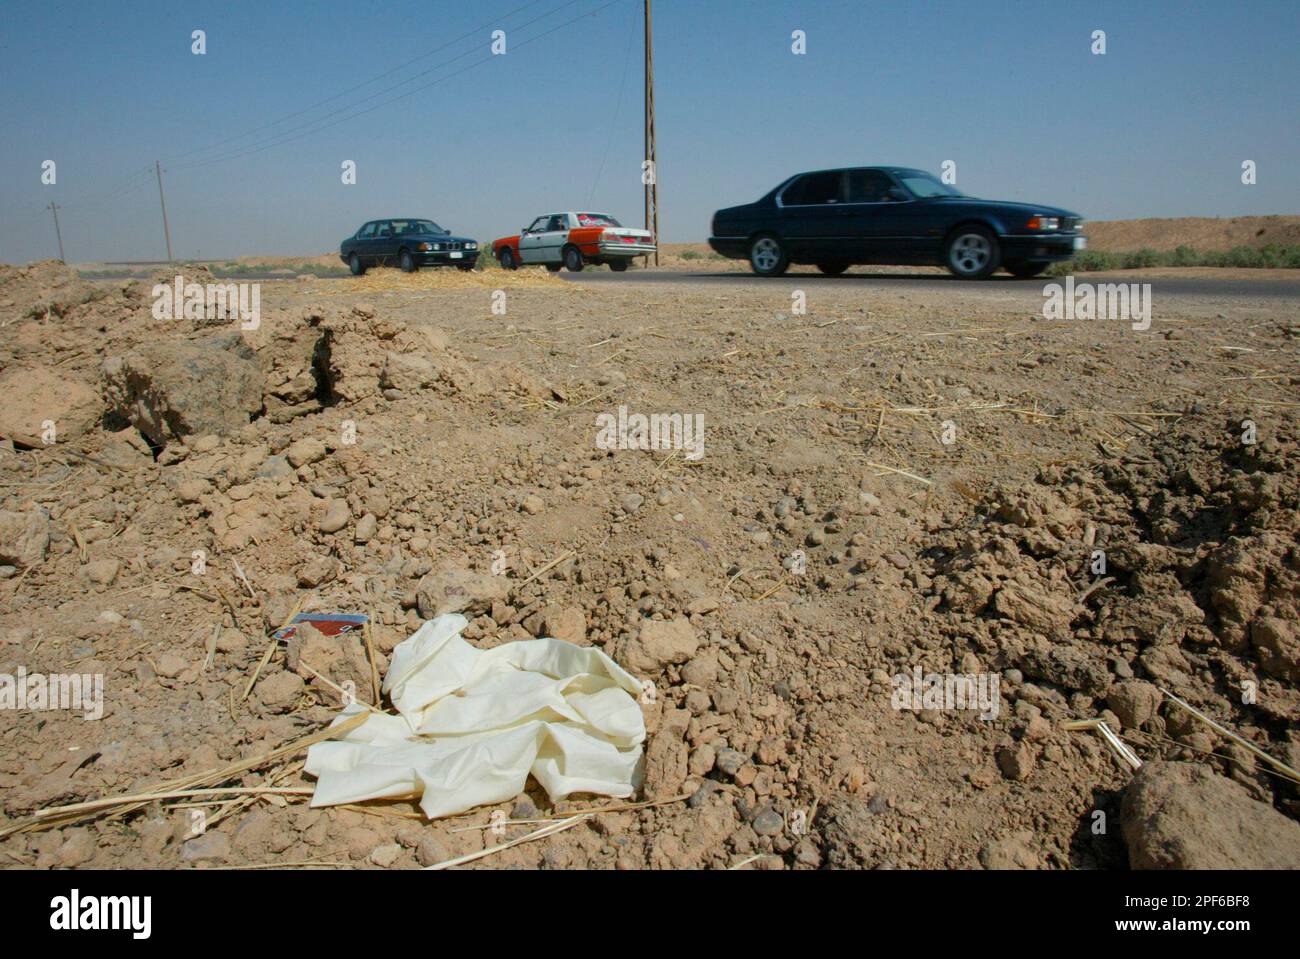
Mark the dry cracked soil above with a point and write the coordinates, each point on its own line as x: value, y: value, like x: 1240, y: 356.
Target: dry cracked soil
x: 1084, y: 518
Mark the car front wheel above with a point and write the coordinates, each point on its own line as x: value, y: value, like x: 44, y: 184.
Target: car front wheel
x: 356, y: 266
x: 406, y: 262
x: 973, y: 253
x: 767, y: 256
x: 573, y: 259
x: 508, y: 259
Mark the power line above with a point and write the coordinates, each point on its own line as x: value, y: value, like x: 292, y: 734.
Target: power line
x: 618, y: 105
x: 280, y: 141
x: 364, y: 83
x: 239, y: 151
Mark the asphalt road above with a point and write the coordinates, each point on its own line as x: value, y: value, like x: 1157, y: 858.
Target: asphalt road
x: 903, y: 282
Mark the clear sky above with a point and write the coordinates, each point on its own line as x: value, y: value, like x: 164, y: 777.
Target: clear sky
x: 1007, y: 89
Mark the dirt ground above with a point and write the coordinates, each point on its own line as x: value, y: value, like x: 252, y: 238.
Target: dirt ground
x: 891, y: 480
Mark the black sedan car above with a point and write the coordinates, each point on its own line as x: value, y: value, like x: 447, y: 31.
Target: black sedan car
x: 410, y: 243
x: 834, y: 219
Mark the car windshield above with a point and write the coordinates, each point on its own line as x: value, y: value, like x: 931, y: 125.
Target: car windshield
x: 924, y: 186
x: 411, y: 227
x: 596, y: 219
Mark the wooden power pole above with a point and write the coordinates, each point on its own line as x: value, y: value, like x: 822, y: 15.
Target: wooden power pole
x: 650, y: 172
x: 54, y: 208
x: 167, y: 233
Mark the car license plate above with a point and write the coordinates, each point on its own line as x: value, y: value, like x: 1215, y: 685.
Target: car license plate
x: 456, y: 254
x: 1080, y: 242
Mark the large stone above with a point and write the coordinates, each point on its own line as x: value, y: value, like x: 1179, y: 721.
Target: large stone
x: 24, y: 537
x: 659, y: 644
x: 1134, y: 702
x: 567, y: 623
x: 666, y: 757
x: 37, y: 396
x: 211, y: 384
x: 1186, y: 816
x: 407, y: 371
x: 459, y: 591
x: 1276, y: 647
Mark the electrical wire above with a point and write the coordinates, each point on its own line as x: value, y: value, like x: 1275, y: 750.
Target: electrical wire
x: 231, y: 154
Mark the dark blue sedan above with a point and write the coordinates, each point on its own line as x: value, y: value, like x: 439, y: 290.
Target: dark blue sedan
x: 408, y: 243
x: 834, y: 219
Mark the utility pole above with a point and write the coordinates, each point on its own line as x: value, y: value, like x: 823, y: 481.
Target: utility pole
x: 650, y: 173
x: 167, y: 233
x: 57, y: 232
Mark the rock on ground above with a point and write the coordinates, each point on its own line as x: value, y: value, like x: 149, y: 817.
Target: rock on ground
x: 172, y: 389
x: 1185, y: 816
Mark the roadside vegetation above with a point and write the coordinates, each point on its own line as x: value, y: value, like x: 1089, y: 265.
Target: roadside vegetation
x: 1270, y: 257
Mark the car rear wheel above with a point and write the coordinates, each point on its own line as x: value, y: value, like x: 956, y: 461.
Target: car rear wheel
x: 406, y: 261
x: 508, y: 259
x: 973, y: 253
x: 356, y: 266
x: 554, y: 267
x: 618, y: 266
x: 832, y: 269
x: 767, y: 256
x: 573, y: 261
x: 1026, y: 270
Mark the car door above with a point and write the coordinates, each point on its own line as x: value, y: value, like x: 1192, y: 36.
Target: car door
x: 884, y: 219
x: 530, y: 240
x: 362, y: 241
x: 553, y: 238
x: 384, y: 245
x: 811, y: 216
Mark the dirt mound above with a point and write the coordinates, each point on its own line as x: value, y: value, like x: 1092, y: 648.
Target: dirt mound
x: 1174, y: 568
x: 1206, y: 234
x: 412, y: 450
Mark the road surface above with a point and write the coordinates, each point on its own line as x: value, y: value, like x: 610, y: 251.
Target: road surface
x: 1032, y: 289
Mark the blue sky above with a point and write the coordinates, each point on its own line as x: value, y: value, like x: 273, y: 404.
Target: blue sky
x: 1008, y: 89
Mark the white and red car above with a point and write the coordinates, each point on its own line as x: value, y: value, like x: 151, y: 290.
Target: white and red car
x: 573, y: 240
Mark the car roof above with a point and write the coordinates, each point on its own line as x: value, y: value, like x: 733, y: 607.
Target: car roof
x: 847, y: 169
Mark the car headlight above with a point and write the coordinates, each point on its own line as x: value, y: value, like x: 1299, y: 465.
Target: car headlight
x: 424, y: 247
x: 1044, y: 223
x: 471, y: 245
x: 437, y: 246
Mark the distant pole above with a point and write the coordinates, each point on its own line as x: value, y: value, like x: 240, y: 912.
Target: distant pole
x: 652, y: 187
x: 57, y: 232
x: 167, y: 233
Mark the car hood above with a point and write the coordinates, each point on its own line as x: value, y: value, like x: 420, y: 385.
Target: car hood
x: 437, y: 238
x: 1007, y: 206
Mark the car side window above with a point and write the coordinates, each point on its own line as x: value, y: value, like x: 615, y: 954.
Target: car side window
x: 813, y: 189
x: 385, y: 230
x: 558, y: 222
x: 539, y: 225
x: 867, y: 186
x: 366, y: 231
